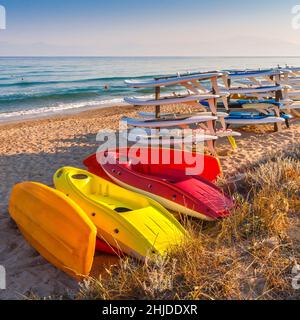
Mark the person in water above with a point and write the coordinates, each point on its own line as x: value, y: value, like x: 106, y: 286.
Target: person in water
x: 106, y: 87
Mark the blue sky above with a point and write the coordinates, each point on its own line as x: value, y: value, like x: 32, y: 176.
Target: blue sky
x: 157, y: 27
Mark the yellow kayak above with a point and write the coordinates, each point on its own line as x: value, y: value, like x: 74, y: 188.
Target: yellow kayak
x: 55, y: 226
x: 126, y: 220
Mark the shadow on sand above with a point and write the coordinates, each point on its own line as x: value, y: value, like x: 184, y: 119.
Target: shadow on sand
x: 26, y: 270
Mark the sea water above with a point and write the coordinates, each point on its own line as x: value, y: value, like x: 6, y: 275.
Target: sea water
x: 37, y: 86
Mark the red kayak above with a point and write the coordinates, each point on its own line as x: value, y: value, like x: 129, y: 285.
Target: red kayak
x: 159, y: 174
x: 103, y: 247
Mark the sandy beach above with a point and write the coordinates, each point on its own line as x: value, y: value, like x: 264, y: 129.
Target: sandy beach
x: 34, y: 150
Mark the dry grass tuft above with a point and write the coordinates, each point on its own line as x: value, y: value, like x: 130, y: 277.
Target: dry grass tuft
x: 266, y: 197
x: 198, y: 270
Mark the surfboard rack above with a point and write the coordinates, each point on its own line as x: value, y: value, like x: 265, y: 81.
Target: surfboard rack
x: 287, y: 77
x: 260, y: 85
x: 197, y: 94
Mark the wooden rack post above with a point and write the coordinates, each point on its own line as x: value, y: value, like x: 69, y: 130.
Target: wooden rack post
x: 228, y: 85
x: 278, y: 96
x: 213, y: 113
x: 157, y: 108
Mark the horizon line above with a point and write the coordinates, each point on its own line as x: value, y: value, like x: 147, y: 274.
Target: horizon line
x: 148, y: 56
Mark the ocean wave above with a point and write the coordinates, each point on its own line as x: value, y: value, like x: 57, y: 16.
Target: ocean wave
x: 25, y: 83
x: 58, y: 109
x: 63, y: 107
x: 28, y: 97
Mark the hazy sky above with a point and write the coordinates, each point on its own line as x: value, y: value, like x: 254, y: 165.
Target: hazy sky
x: 153, y: 27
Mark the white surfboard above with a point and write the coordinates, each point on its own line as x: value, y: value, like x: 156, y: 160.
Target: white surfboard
x: 252, y: 90
x: 262, y: 83
x: 294, y: 94
x: 295, y: 105
x: 227, y: 133
x: 156, y: 123
x: 160, y: 138
x: 246, y: 82
x: 172, y: 80
x: 286, y: 103
x: 254, y: 121
x: 169, y: 100
x: 291, y: 81
x: 219, y: 132
x: 151, y: 115
x: 259, y: 106
x: 291, y: 69
x: 253, y: 74
x: 296, y: 87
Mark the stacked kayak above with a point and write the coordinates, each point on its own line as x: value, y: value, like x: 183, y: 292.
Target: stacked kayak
x: 178, y: 187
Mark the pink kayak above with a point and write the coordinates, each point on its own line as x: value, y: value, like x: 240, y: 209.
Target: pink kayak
x: 169, y: 182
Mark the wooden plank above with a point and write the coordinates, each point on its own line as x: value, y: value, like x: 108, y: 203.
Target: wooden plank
x: 157, y: 108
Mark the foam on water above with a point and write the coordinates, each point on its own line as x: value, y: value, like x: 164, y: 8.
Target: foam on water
x: 59, y: 109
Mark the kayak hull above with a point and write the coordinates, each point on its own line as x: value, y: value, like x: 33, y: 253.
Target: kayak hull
x: 55, y: 226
